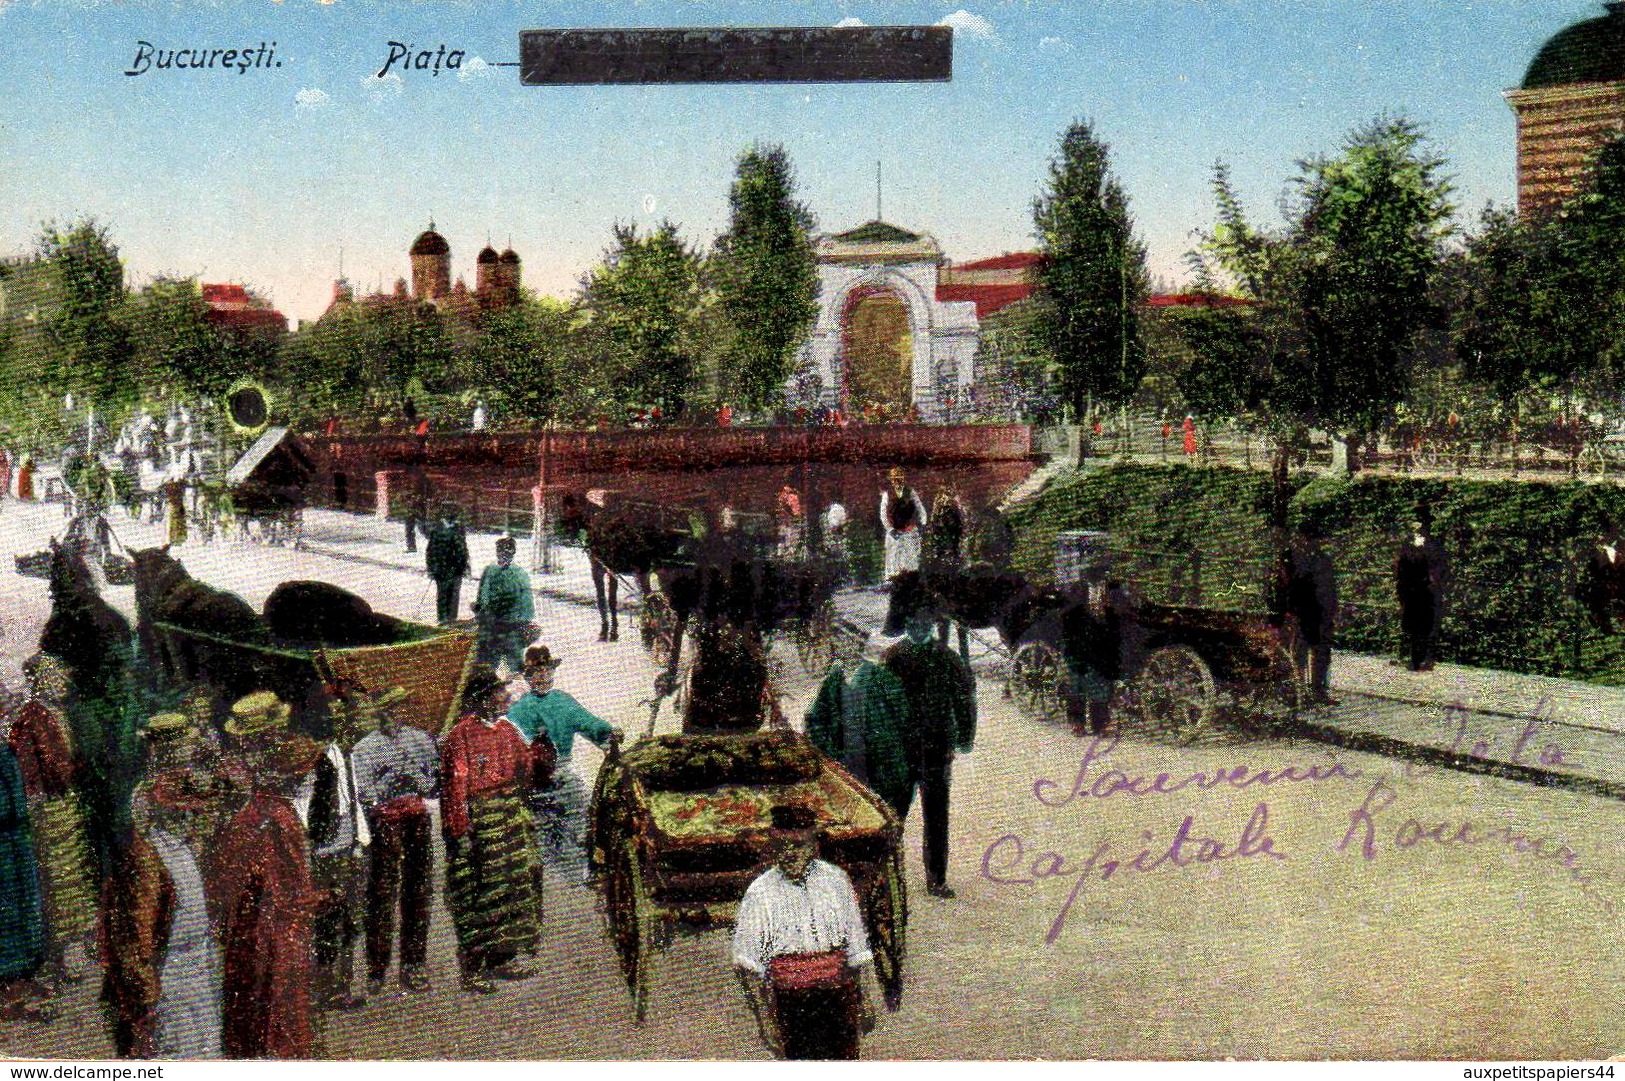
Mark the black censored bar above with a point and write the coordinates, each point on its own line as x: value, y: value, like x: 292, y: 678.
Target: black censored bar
x: 762, y: 54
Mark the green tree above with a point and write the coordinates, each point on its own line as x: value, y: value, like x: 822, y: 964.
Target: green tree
x: 172, y: 341
x: 1346, y: 291
x: 519, y: 356
x: 89, y: 350
x: 322, y: 369
x: 643, y: 299
x: 1093, y: 274
x: 765, y: 279
x: 404, y: 341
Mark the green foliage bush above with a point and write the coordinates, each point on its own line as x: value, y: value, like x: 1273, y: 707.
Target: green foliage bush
x: 1516, y: 551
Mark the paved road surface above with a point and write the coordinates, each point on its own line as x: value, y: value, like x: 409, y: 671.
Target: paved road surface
x: 1476, y: 944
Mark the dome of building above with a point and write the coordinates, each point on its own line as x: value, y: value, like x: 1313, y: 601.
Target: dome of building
x: 487, y: 254
x: 430, y: 242
x: 1587, y: 52
x: 510, y: 256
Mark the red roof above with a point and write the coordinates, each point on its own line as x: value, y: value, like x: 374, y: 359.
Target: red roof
x: 1197, y: 300
x: 988, y: 298
x: 1020, y: 260
x: 225, y: 294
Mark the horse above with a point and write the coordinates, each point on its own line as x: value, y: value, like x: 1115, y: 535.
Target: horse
x: 319, y: 612
x: 628, y: 539
x: 87, y: 633
x: 166, y: 593
x: 973, y: 596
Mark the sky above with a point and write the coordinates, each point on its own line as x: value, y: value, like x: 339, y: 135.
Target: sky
x: 266, y: 176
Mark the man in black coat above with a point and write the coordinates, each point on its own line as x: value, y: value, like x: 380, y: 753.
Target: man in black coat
x: 447, y: 558
x: 1419, y: 580
x: 1306, y: 589
x: 941, y: 695
x: 1602, y: 583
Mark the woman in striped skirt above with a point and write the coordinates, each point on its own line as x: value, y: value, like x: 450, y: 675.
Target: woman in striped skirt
x: 490, y: 880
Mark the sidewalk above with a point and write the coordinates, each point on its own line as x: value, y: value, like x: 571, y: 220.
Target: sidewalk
x: 1537, y: 727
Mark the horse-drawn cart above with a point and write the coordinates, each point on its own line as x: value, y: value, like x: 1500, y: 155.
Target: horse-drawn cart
x: 431, y: 663
x: 679, y: 830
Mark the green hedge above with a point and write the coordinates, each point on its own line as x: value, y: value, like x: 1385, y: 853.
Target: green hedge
x: 1202, y: 536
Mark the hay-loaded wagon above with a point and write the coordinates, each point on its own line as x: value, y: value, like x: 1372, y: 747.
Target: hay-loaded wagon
x: 1181, y: 666
x: 679, y: 830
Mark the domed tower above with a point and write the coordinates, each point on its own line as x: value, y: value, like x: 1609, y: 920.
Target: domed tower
x: 1572, y: 100
x: 485, y: 273
x: 431, y: 265
x: 507, y: 277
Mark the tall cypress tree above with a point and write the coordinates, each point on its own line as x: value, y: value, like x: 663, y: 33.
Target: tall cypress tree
x: 762, y: 269
x: 1094, y: 275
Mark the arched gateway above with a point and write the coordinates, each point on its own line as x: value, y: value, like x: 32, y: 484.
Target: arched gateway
x: 882, y: 337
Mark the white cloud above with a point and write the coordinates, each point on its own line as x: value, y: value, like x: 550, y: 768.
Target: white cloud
x: 386, y: 86
x: 971, y: 26
x: 850, y: 20
x: 473, y: 68
x: 311, y: 98
x: 1054, y: 44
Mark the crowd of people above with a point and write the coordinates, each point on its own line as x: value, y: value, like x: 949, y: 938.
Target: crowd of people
x: 224, y: 916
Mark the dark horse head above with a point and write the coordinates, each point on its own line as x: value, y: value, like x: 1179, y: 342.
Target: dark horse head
x: 88, y: 634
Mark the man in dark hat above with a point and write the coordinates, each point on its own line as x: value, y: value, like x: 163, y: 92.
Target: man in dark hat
x: 1602, y: 585
x: 941, y: 695
x: 1419, y: 580
x: 446, y: 556
x: 505, y: 610
x: 800, y: 945
x: 556, y: 718
x: 1306, y: 590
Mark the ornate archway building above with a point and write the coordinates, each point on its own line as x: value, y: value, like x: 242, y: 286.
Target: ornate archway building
x: 884, y: 336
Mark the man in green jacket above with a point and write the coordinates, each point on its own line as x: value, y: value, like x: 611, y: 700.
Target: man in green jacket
x: 447, y: 558
x: 505, y: 610
x: 941, y: 695
x: 860, y: 719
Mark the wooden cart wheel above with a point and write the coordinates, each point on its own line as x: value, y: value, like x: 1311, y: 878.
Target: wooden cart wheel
x: 1038, y: 677
x: 629, y: 923
x: 1176, y: 693
x: 815, y: 641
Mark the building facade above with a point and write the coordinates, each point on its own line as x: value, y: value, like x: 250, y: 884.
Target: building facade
x: 1572, y: 100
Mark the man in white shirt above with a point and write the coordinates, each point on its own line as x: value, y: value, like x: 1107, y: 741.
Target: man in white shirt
x: 336, y: 826
x: 799, y: 946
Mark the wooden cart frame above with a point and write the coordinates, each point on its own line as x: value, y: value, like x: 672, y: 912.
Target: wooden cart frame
x: 648, y: 896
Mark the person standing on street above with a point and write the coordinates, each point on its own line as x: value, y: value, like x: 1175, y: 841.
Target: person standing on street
x: 800, y: 946
x: 1419, y: 580
x: 941, y: 696
x: 261, y: 896
x: 486, y: 769
x: 417, y: 502
x: 561, y: 807
x: 397, y: 768
x: 336, y: 827
x: 1602, y: 584
x: 1306, y: 587
x: 446, y: 556
x: 860, y: 719
x: 505, y: 610
x: 902, y: 522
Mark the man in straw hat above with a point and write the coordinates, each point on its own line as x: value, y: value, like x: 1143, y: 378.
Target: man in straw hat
x: 261, y: 893
x: 490, y: 860
x: 557, y: 718
x: 397, y: 768
x: 799, y: 946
